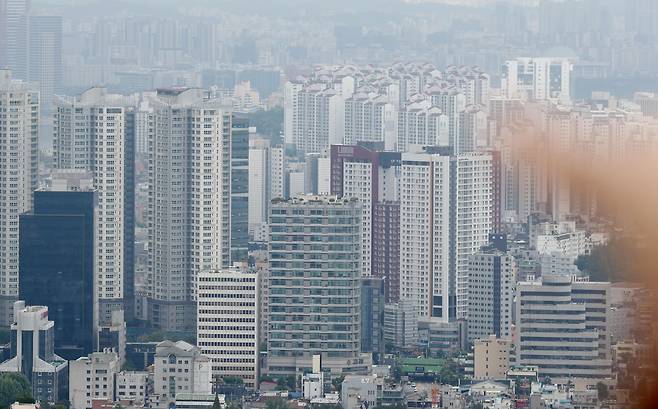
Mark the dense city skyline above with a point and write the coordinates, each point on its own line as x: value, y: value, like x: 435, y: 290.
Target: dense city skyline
x: 371, y: 204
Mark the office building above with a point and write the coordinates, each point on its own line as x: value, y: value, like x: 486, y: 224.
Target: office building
x: 95, y: 132
x: 372, y: 317
x: 491, y: 286
x: 57, y: 265
x: 32, y: 353
x: 92, y: 378
x: 180, y: 368
x: 190, y: 193
x: 315, y: 285
x: 18, y: 178
x: 228, y: 323
x: 401, y: 325
x: 491, y: 358
x: 562, y: 327
x: 442, y: 338
x: 448, y: 200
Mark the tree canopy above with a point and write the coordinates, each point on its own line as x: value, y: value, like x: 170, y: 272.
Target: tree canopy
x: 14, y: 387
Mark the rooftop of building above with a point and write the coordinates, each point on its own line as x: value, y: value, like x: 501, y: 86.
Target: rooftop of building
x: 316, y: 200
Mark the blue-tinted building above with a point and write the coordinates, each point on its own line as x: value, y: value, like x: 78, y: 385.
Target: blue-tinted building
x: 372, y: 317
x: 239, y: 189
x: 57, y: 266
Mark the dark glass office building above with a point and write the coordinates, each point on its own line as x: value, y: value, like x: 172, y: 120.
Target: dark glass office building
x: 57, y: 266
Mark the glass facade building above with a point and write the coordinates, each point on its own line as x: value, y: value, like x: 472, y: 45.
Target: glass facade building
x: 57, y: 266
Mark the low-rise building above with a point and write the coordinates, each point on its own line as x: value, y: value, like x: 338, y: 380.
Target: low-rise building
x: 358, y: 391
x: 92, y: 378
x: 180, y: 368
x: 491, y: 358
x: 131, y: 387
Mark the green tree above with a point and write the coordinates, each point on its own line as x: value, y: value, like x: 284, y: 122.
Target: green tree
x: 602, y: 390
x: 277, y: 403
x: 216, y: 404
x: 337, y: 382
x: 14, y: 387
x: 233, y: 405
x: 233, y: 380
x: 268, y: 123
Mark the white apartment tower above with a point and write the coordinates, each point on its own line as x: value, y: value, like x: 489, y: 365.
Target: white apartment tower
x: 19, y: 132
x: 95, y: 133
x: 420, y: 123
x: 369, y: 118
x: 189, y: 201
x: 228, y: 323
x: 314, y: 116
x: 445, y: 217
x: 537, y: 79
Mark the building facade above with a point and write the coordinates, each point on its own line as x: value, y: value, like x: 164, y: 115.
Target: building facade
x: 92, y: 378
x: 95, y: 132
x: 315, y: 285
x: 180, y: 368
x: 19, y: 132
x: 189, y: 212
x: 492, y: 280
x: 57, y: 266
x: 32, y: 353
x: 562, y: 327
x: 228, y: 323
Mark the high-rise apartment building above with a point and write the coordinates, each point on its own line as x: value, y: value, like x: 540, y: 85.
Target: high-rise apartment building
x: 445, y: 216
x: 315, y: 285
x: 189, y: 215
x: 228, y: 323
x: 95, y: 132
x: 314, y: 116
x: 420, y: 123
x: 491, y: 285
x: 371, y: 177
x: 369, y: 118
x: 562, y: 328
x: 57, y: 265
x: 19, y: 132
x: 538, y: 79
